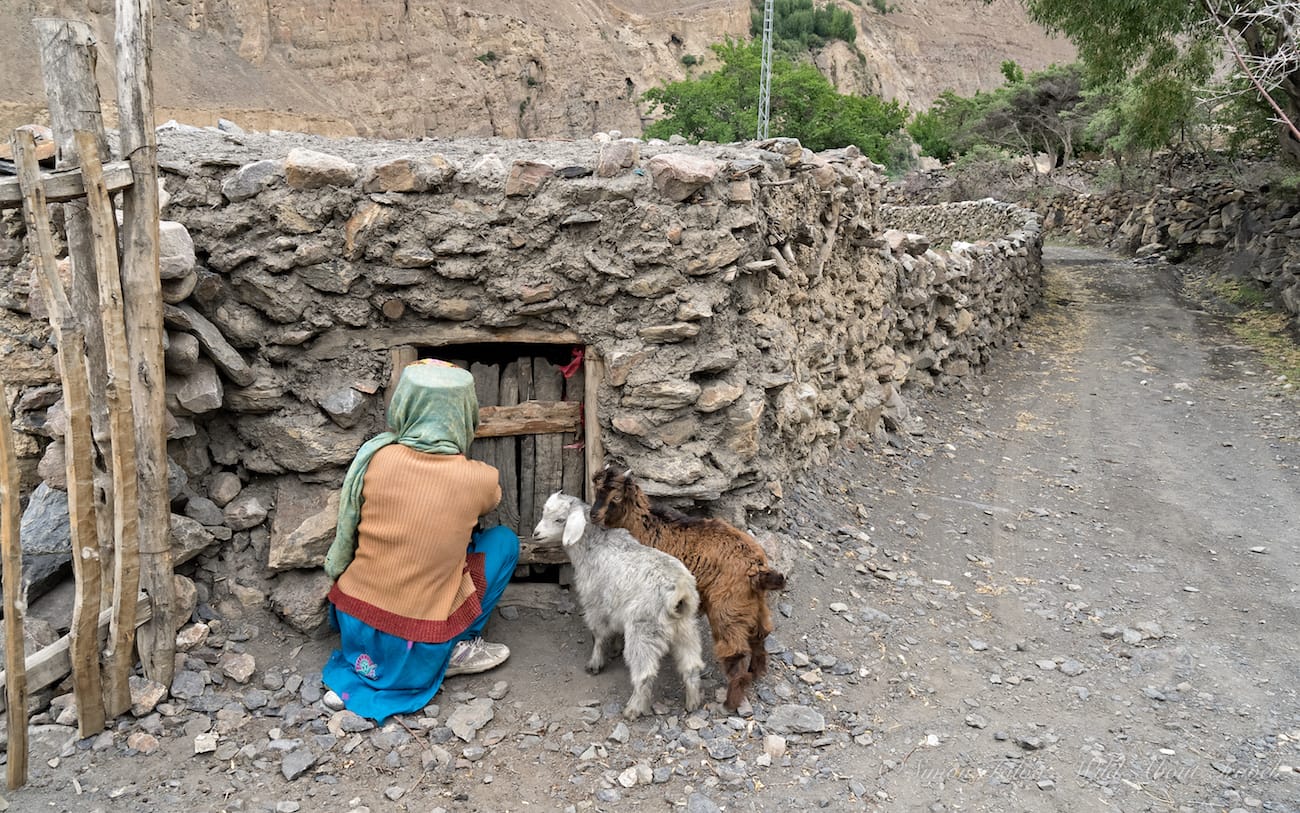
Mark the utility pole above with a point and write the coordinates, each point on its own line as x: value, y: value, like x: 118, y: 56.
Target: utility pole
x: 765, y: 73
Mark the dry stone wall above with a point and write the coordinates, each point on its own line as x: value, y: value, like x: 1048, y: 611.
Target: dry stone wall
x: 752, y: 305
x: 1258, y: 230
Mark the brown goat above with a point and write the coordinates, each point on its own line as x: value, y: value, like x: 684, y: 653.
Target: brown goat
x: 731, y: 572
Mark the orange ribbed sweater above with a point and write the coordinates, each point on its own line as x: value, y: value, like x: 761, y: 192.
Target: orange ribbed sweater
x: 412, y: 576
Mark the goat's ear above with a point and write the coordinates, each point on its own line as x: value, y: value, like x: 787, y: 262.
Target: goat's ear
x: 574, y: 526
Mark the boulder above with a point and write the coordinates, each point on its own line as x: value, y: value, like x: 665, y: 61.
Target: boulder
x: 308, y: 169
x: 175, y: 250
x: 303, y: 528
x: 526, y: 177
x: 188, y: 539
x: 251, y: 179
x: 224, y: 487
x: 244, y: 512
x: 46, y: 535
x: 298, y: 596
x: 616, y: 156
x: 344, y: 406
x: 677, y: 176
x: 297, y: 442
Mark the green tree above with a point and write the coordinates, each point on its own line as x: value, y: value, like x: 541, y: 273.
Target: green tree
x: 799, y: 26
x: 723, y: 106
x: 1157, y: 42
x: 1046, y: 111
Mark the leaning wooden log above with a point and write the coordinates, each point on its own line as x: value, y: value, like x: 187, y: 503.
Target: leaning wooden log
x: 70, y: 339
x: 68, y: 53
x: 63, y: 185
x: 120, y: 656
x: 52, y: 664
x: 14, y: 598
x: 142, y: 289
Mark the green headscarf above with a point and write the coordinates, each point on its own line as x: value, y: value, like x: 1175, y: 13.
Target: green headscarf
x: 435, y: 410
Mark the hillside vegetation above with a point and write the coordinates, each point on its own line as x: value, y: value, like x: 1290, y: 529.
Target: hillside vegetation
x: 557, y: 68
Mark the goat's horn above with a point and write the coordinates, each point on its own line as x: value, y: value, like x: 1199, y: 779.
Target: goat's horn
x: 627, y: 473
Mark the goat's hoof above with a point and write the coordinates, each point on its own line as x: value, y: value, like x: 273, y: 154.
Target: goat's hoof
x: 632, y: 712
x: 594, y: 668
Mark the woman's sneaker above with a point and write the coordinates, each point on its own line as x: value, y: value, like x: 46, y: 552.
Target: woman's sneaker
x: 476, y: 655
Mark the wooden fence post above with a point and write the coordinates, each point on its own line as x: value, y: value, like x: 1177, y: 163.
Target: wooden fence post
x: 68, y: 55
x: 15, y: 601
x: 126, y: 512
x: 78, y: 443
x: 142, y: 288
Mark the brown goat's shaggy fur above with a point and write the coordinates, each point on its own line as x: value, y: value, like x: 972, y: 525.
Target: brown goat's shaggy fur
x: 730, y: 569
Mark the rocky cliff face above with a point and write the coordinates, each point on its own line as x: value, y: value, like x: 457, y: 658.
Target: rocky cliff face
x: 547, y: 69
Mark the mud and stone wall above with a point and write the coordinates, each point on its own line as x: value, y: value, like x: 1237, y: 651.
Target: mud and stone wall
x: 752, y: 305
x: 1213, y: 209
x: 1257, y: 229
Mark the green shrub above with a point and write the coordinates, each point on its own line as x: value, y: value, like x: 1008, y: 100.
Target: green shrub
x: 487, y: 58
x: 722, y: 106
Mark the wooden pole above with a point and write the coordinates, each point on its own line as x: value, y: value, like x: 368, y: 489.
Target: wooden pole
x: 595, y: 446
x: 15, y: 601
x: 142, y: 288
x: 78, y: 442
x: 68, y: 55
x: 126, y: 515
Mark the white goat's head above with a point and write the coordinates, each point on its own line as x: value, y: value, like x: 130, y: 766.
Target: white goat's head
x: 564, y: 518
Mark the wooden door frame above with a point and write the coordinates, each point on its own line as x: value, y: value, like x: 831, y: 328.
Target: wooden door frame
x: 593, y: 447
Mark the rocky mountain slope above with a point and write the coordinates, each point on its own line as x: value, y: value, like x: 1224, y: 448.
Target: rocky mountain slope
x: 547, y: 69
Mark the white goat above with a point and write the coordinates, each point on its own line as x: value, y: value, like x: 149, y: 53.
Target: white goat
x: 626, y: 587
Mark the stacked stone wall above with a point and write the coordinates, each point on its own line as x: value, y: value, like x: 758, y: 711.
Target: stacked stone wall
x: 1257, y: 230
x: 752, y: 306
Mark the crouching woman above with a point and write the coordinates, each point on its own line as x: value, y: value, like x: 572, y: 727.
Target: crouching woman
x: 414, y: 581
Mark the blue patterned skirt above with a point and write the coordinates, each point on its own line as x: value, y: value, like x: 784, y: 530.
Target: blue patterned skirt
x: 378, y: 675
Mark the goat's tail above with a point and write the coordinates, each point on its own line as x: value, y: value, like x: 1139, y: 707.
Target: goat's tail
x: 768, y: 579
x: 684, y: 602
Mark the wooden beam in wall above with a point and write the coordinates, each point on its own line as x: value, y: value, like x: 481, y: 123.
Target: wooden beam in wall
x: 338, y: 343
x: 65, y: 184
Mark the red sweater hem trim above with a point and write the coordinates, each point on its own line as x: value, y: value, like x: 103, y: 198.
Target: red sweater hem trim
x: 419, y: 629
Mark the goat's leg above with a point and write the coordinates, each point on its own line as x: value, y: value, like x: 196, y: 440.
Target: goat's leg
x: 686, y: 654
x: 736, y: 668
x: 757, y: 657
x: 643, y: 649
x: 601, y: 633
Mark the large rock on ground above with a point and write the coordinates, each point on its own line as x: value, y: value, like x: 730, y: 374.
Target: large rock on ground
x: 298, y: 596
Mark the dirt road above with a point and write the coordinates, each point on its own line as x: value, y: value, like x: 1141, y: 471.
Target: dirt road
x: 1076, y: 591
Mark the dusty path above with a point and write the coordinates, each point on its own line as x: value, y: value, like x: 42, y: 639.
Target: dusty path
x: 1076, y: 591
x: 1105, y: 552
